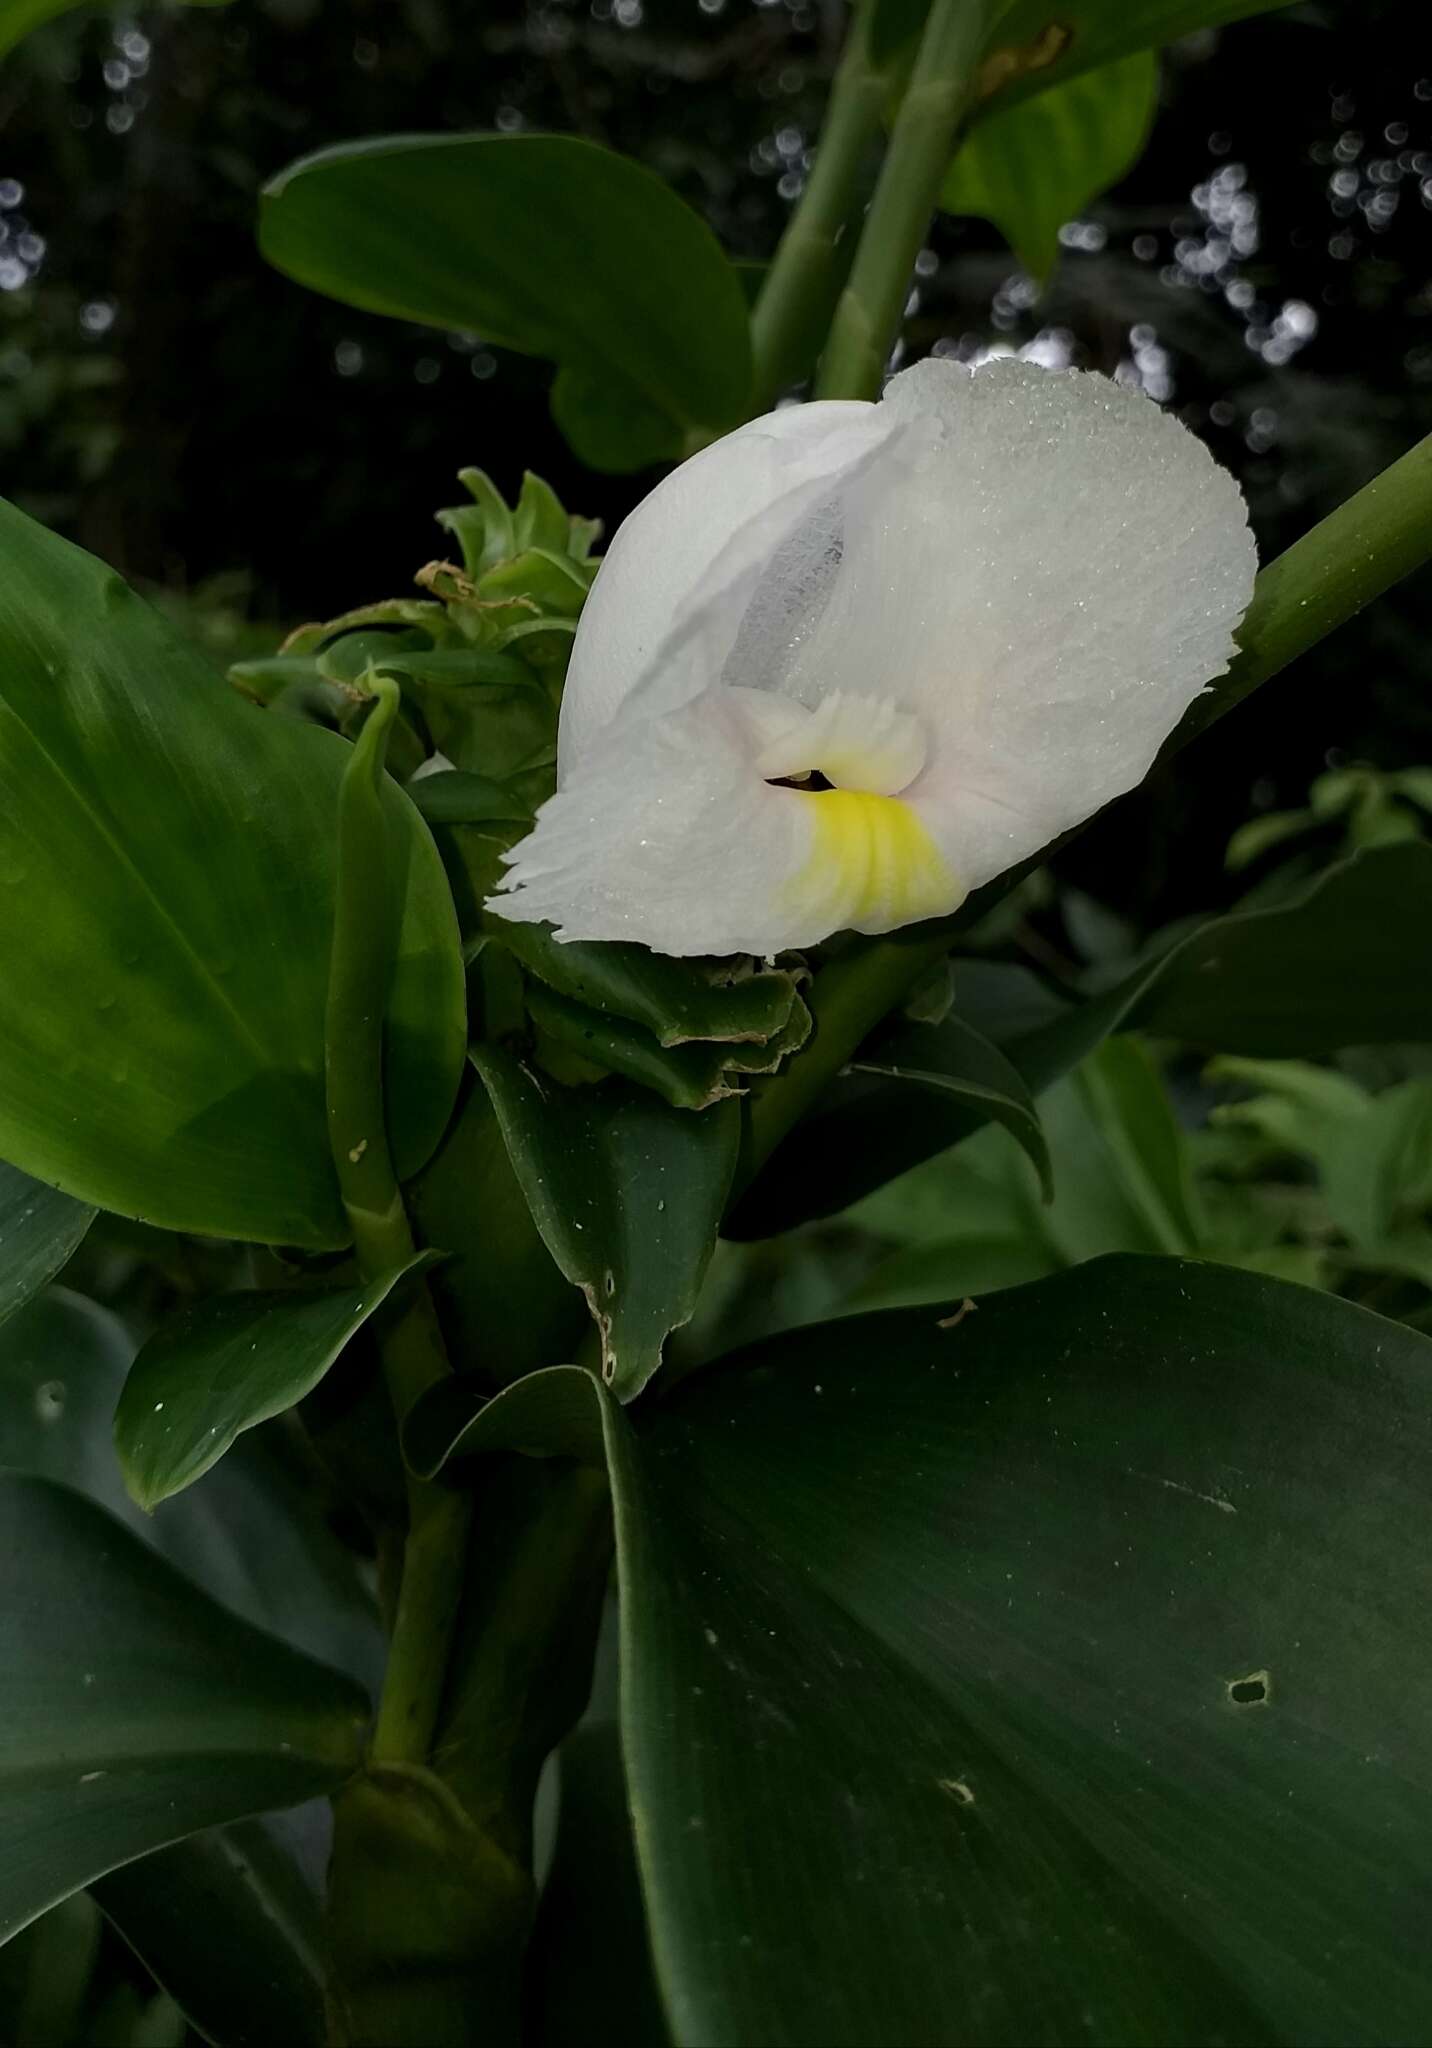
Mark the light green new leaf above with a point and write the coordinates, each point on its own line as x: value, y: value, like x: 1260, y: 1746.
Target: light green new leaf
x: 137, y: 1710
x: 627, y: 1193
x: 39, y: 1229
x: 1060, y: 1676
x: 226, y: 1364
x: 542, y: 243
x: 1036, y: 166
x: 19, y: 17
x: 166, y: 904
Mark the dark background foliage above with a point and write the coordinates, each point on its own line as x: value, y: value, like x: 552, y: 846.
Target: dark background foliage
x: 212, y: 429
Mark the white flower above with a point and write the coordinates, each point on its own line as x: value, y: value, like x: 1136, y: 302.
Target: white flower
x: 975, y: 610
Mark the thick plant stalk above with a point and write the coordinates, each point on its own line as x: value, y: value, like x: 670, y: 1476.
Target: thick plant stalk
x: 803, y: 283
x: 1381, y: 534
x: 413, y: 1354
x: 867, y: 319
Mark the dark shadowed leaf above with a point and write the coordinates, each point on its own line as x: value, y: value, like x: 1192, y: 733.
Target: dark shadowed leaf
x: 224, y: 1365
x: 1305, y: 978
x: 542, y: 243
x: 959, y: 1065
x: 1058, y: 1676
x: 627, y: 1194
x: 229, y: 1925
x: 162, y: 1053
x: 39, y: 1229
x: 1031, y: 48
x: 139, y: 1711
x: 19, y: 17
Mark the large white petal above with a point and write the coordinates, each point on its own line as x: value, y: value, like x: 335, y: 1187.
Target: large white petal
x: 1050, y: 588
x: 674, y: 584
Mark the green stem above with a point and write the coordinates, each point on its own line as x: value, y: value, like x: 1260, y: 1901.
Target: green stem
x: 1379, y: 536
x: 1375, y: 538
x: 867, y: 319
x: 803, y: 283
x: 366, y: 917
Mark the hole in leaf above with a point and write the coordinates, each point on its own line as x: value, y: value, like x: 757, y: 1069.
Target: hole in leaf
x: 1253, y: 1691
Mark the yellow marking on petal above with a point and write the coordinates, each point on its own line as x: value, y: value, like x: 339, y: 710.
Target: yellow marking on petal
x: 871, y: 858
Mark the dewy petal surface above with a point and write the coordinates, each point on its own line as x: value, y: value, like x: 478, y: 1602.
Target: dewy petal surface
x: 674, y: 584
x: 988, y: 599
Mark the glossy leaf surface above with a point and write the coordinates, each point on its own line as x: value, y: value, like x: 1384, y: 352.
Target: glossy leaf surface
x: 627, y: 1194
x: 140, y: 1711
x: 1036, y: 166
x: 224, y: 1365
x: 162, y: 1053
x: 39, y: 1229
x: 1044, y: 1677
x: 541, y: 243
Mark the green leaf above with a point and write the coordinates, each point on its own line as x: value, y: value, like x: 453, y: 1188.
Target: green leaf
x: 1331, y: 968
x: 166, y: 875
x: 1327, y: 969
x: 227, y: 1924
x: 959, y: 1064
x: 1060, y: 1676
x: 19, y: 17
x: 541, y: 243
x: 1030, y: 48
x: 728, y: 1001
x: 254, y: 1538
x: 39, y: 1229
x: 627, y: 1194
x: 224, y: 1365
x: 139, y: 1711
x: 607, y: 426
x: 503, y: 1303
x: 1038, y: 165
x: 452, y: 797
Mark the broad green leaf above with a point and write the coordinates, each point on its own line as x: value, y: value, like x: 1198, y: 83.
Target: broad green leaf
x: 39, y: 1229
x: 1326, y: 969
x: 1031, y: 169
x: 166, y: 880
x: 1059, y: 1676
x: 957, y: 1063
x: 453, y: 797
x: 627, y: 1194
x: 226, y: 1364
x: 541, y: 243
x: 503, y: 1303
x: 228, y: 1925
x: 728, y: 1001
x: 19, y: 17
x: 138, y: 1711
